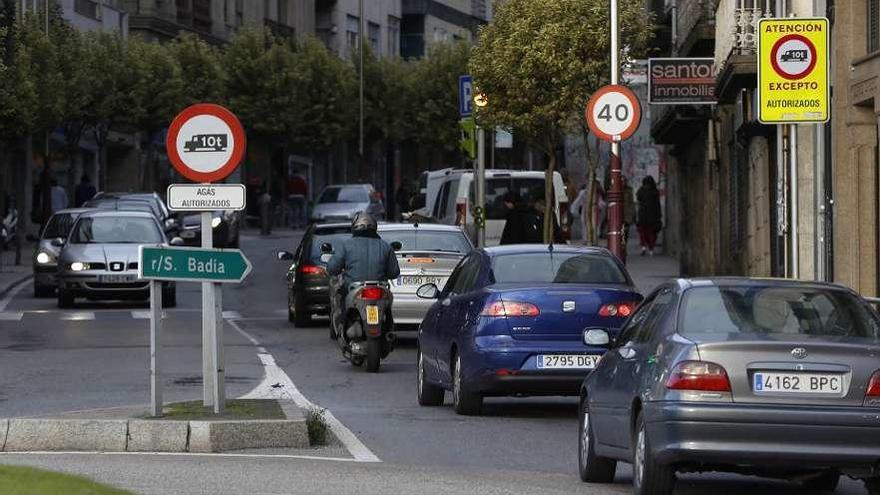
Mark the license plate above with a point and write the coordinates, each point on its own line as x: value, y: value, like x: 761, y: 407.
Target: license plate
x: 567, y: 361
x: 372, y: 315
x: 116, y: 279
x: 188, y: 234
x: 797, y: 383
x: 418, y: 280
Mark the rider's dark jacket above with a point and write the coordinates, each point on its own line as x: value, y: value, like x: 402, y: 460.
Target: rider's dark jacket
x: 363, y: 258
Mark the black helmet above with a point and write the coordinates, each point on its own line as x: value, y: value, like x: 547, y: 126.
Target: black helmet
x: 363, y: 222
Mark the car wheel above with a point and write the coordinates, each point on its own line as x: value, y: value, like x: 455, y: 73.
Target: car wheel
x: 429, y: 394
x: 649, y: 477
x: 41, y: 290
x: 824, y: 483
x: 464, y: 401
x: 65, y: 299
x: 873, y: 485
x: 591, y: 467
x: 169, y: 297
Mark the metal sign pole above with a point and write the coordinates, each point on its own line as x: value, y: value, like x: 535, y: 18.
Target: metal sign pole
x: 793, y: 194
x: 155, y: 348
x: 615, y: 194
x: 209, y: 321
x: 480, y: 188
x: 217, y: 351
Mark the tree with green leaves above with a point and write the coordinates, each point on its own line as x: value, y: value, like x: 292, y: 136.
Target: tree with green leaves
x: 539, y: 61
x: 202, y: 71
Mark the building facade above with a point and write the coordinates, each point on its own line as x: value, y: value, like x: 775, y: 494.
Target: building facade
x: 438, y: 21
x: 339, y: 25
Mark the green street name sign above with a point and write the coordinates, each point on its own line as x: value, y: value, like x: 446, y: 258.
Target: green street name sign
x: 192, y: 264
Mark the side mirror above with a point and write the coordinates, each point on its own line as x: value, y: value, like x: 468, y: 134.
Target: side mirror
x: 285, y: 256
x: 177, y: 241
x: 428, y: 291
x: 396, y: 245
x: 597, y: 337
x: 327, y: 248
x: 57, y: 242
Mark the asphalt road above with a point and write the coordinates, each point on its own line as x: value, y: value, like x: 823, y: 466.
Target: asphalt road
x: 97, y: 356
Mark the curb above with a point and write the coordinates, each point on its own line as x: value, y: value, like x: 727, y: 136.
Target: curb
x: 14, y: 284
x: 145, y: 435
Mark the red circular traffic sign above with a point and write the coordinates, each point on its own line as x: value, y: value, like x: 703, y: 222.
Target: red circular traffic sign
x: 793, y: 57
x: 613, y: 113
x: 205, y: 142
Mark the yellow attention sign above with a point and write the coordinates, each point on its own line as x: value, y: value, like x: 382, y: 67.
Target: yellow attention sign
x: 793, y: 70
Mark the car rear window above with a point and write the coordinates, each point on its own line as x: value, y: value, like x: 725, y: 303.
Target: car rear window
x: 563, y: 268
x: 809, y: 311
x: 344, y: 195
x: 422, y: 240
x: 526, y: 189
x: 59, y: 226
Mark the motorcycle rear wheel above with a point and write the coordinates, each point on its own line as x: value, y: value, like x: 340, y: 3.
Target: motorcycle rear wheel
x: 374, y: 355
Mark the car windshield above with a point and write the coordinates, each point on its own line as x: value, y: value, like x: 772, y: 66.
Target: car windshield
x: 123, y: 205
x: 526, y: 189
x: 344, y: 195
x: 776, y: 310
x: 334, y: 238
x: 562, y: 268
x: 116, y: 230
x: 422, y: 240
x: 59, y: 226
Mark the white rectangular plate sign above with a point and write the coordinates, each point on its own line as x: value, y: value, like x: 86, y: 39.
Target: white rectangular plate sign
x: 206, y: 197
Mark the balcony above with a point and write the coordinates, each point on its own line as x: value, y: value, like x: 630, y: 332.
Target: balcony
x: 696, y: 27
x: 736, y: 60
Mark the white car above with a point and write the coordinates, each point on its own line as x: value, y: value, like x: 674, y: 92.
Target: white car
x: 450, y: 198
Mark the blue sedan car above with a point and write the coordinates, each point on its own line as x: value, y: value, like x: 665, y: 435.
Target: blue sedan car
x: 520, y: 320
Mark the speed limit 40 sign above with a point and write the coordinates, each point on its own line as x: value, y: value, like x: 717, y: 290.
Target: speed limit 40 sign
x: 613, y: 113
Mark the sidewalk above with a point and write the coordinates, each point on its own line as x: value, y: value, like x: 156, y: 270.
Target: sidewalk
x: 12, y: 275
x: 650, y: 271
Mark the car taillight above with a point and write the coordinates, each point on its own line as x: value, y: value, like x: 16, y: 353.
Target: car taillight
x: 510, y: 308
x: 698, y: 375
x: 372, y: 293
x: 874, y: 385
x: 311, y: 270
x: 461, y: 212
x: 621, y: 309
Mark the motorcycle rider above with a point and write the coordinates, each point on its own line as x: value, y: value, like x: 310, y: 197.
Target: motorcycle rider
x: 365, y: 256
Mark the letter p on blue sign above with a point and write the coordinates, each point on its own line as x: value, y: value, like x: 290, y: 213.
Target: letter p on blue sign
x: 465, y: 95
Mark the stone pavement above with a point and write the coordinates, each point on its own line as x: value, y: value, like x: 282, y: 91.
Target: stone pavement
x: 650, y: 271
x: 10, y: 274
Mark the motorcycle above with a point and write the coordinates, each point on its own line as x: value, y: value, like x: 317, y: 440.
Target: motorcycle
x: 361, y: 322
x: 8, y: 228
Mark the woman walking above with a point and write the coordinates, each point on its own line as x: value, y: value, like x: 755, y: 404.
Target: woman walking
x: 650, y: 219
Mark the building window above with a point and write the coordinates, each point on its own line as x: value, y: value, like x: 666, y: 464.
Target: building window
x: 267, y: 9
x: 393, y: 35
x: 374, y: 32
x: 88, y: 8
x: 873, y: 25
x: 282, y: 11
x: 352, y: 33
x: 239, y: 13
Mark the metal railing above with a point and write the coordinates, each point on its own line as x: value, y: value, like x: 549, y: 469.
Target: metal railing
x: 691, y: 13
x: 741, y: 29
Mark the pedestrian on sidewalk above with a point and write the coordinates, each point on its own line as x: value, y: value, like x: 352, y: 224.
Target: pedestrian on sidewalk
x: 297, y: 192
x: 84, y: 191
x: 376, y: 208
x: 59, y: 197
x: 650, y: 219
x: 629, y: 209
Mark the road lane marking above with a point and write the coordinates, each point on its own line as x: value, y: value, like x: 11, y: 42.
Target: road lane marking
x: 145, y: 315
x: 277, y: 385
x: 11, y: 294
x: 78, y: 316
x: 232, y: 315
x: 185, y: 454
x: 11, y: 316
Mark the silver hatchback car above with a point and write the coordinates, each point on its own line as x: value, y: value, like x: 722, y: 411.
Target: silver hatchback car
x: 99, y: 259
x: 766, y: 377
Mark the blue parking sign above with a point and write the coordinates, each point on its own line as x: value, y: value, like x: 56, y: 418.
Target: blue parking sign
x: 465, y: 95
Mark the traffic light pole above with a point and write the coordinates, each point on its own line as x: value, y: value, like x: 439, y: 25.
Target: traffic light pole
x: 615, y: 192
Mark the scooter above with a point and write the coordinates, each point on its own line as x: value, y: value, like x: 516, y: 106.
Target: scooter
x: 8, y: 228
x: 362, y: 323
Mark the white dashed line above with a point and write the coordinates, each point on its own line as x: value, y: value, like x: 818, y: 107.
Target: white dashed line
x: 11, y: 316
x: 78, y: 316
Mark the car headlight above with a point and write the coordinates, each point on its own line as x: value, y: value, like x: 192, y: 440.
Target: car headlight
x: 215, y: 222
x: 79, y: 266
x: 44, y: 258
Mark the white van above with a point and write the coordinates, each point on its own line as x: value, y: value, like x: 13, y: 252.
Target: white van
x: 454, y: 199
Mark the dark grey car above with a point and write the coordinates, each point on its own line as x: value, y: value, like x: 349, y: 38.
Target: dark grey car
x: 765, y: 377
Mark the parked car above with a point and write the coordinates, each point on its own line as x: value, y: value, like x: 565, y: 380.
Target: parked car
x: 339, y: 203
x: 99, y: 259
x: 166, y: 217
x: 520, y: 320
x: 225, y: 226
x: 764, y: 377
x: 453, y: 201
x: 45, y: 261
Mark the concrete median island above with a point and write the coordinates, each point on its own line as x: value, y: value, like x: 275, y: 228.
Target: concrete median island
x: 185, y: 427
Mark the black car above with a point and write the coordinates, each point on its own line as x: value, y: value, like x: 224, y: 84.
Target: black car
x: 307, y: 279
x: 225, y: 226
